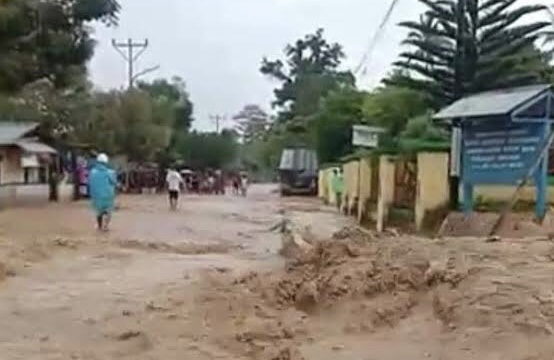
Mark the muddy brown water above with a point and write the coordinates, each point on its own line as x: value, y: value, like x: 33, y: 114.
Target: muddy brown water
x: 72, y: 292
x: 160, y: 285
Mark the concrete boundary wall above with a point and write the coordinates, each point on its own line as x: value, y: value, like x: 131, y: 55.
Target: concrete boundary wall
x: 505, y: 192
x: 370, y: 182
x: 370, y: 187
x: 351, y: 171
x: 387, y: 171
x: 326, y: 186
x: 432, y: 185
x: 365, y: 190
x: 322, y: 185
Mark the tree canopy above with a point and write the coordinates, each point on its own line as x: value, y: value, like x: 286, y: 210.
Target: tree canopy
x: 309, y: 72
x: 175, y: 93
x: 48, y: 39
x: 455, y: 48
x: 332, y: 126
x: 208, y: 150
x: 391, y: 107
x: 465, y: 46
x: 252, y: 123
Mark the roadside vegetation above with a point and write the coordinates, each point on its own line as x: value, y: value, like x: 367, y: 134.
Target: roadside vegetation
x: 453, y: 49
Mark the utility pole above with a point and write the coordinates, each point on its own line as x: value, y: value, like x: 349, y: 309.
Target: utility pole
x: 217, y: 120
x: 127, y: 51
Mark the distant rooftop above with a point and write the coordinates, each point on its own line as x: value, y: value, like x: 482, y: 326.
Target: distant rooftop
x: 11, y: 132
x: 491, y: 103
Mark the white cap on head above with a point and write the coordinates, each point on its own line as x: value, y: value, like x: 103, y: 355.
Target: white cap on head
x: 102, y: 158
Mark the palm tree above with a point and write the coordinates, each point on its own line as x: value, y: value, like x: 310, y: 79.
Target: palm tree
x: 464, y: 46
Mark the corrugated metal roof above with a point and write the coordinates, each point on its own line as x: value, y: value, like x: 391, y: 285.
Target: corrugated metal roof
x: 491, y: 103
x: 35, y: 147
x: 10, y: 132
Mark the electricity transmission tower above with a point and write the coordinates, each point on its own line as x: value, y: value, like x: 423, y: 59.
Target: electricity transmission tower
x: 127, y: 51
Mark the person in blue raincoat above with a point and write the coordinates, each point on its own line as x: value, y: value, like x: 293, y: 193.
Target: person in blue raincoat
x: 102, y: 187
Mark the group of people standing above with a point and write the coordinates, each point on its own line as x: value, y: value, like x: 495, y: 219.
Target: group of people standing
x: 103, y: 183
x: 205, y: 182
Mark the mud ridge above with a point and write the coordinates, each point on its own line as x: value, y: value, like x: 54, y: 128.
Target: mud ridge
x: 358, y: 282
x: 181, y: 249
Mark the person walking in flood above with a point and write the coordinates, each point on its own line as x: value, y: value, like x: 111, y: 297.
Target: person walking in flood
x: 102, y: 187
x: 337, y: 186
x: 174, y: 182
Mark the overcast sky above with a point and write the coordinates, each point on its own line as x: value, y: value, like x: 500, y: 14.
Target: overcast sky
x: 217, y: 45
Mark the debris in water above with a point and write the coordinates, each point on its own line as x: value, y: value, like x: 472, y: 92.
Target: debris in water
x: 127, y: 335
x: 493, y: 238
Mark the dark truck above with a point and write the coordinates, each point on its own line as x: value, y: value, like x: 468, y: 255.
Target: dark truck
x: 298, y: 171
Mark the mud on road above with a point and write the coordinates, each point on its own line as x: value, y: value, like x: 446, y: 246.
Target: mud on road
x: 207, y: 282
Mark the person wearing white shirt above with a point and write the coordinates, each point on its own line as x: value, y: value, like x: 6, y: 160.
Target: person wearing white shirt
x: 174, y: 182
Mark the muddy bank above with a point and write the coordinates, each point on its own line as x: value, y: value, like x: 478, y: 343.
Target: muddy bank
x: 180, y: 285
x: 181, y: 249
x: 514, y: 225
x: 359, y: 285
x: 17, y: 255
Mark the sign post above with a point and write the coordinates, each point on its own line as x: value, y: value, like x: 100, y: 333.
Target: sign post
x: 505, y: 140
x: 366, y: 136
x: 503, y: 152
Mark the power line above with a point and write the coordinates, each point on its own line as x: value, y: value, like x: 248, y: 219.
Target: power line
x: 375, y: 38
x: 127, y: 51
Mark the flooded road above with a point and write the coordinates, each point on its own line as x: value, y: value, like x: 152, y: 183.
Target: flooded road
x: 208, y: 282
x: 71, y: 292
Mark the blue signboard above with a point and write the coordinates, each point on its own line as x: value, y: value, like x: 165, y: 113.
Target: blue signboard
x: 500, y: 152
x: 504, y: 152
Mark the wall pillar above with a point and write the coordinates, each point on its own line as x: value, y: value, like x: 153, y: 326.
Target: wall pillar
x: 433, y: 190
x: 387, y: 169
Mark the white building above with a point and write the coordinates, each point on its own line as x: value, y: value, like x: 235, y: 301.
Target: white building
x: 25, y: 165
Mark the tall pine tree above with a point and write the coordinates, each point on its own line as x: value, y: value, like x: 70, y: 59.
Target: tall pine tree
x: 461, y: 47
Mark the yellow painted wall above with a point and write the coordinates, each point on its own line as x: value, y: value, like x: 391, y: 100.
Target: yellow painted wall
x: 322, y: 185
x: 503, y: 193
x: 351, y: 184
x: 432, y: 184
x: 365, y: 188
x: 387, y: 169
x: 331, y: 198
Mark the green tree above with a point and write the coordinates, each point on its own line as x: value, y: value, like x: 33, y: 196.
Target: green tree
x: 422, y: 128
x: 174, y: 91
x: 175, y: 96
x: 99, y: 122
x: 465, y: 46
x: 252, y: 123
x: 391, y: 107
x: 48, y: 40
x: 309, y: 73
x: 208, y: 150
x: 332, y: 125
x: 58, y: 111
x: 146, y: 125
x: 130, y: 123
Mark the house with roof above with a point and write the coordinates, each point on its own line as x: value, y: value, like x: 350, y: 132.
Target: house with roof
x: 25, y: 164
